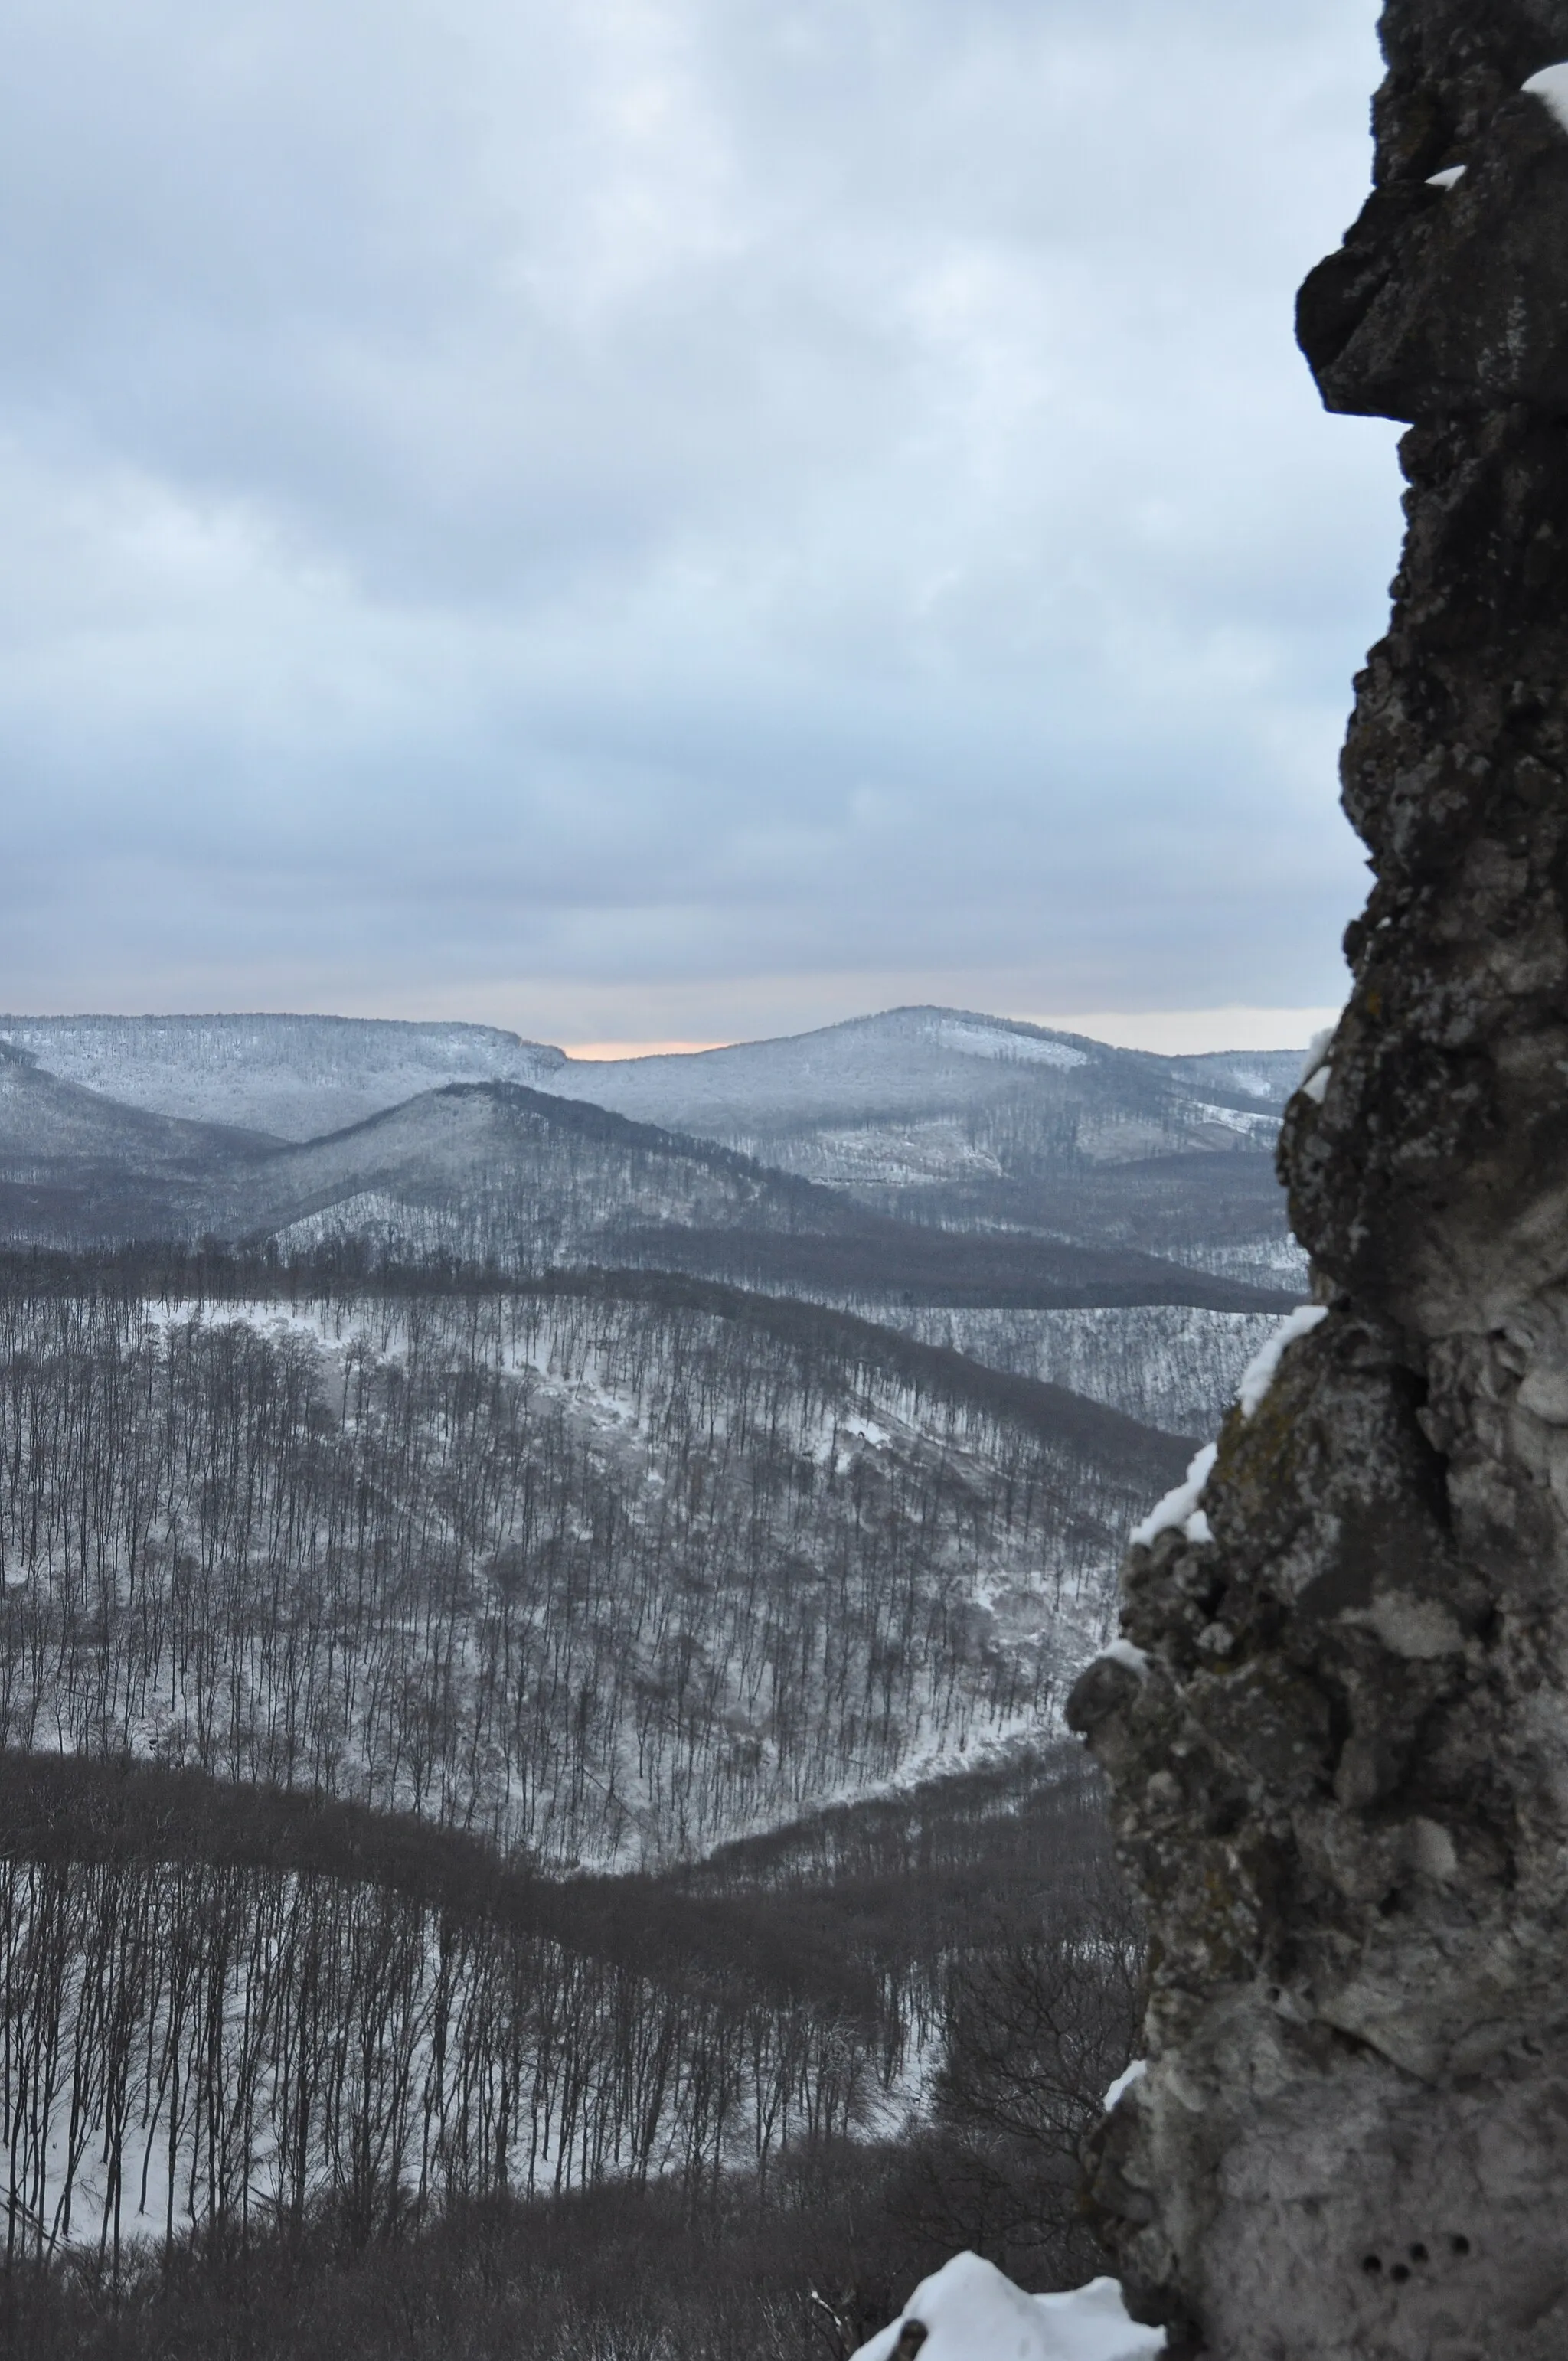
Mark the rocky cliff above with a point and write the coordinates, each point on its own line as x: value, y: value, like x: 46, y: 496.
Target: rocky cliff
x: 1338, y: 1740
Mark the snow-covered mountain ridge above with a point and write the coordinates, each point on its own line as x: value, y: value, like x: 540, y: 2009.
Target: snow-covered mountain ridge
x: 944, y: 1117
x: 291, y: 1077
x: 496, y: 1176
x: 299, y: 1077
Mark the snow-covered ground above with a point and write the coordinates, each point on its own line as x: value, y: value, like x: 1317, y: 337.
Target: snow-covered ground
x: 971, y: 2312
x: 1267, y: 1262
x: 610, y: 1583
x: 183, y: 2042
x: 294, y: 1076
x: 1169, y: 1365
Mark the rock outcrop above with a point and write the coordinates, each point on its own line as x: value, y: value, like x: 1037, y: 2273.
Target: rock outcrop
x: 1338, y: 1740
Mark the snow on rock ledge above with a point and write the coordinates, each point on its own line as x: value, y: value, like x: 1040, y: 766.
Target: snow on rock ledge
x: 1260, y: 1372
x: 968, y: 2312
x: 1180, y: 1507
x: 1551, y: 85
x: 1124, y: 1651
x: 1125, y: 2081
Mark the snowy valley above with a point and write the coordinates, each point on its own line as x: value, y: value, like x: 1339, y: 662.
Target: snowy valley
x: 535, y: 1602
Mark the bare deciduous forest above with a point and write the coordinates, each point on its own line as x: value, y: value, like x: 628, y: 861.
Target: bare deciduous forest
x: 502, y: 1778
x: 359, y: 2083
x: 607, y: 1577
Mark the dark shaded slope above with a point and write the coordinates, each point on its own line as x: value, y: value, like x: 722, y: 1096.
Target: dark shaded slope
x: 1160, y: 1205
x: 907, y: 1263
x: 1007, y: 1832
x: 944, y: 1117
x: 1124, y: 1449
x: 78, y: 1168
x: 496, y: 1174
x: 518, y: 1170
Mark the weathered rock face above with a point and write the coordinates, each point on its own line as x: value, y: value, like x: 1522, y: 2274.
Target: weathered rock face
x: 1342, y: 1781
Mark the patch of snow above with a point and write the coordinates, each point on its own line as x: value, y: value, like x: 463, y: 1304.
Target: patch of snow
x: 1124, y: 1651
x: 1259, y: 1373
x: 1316, y: 1086
x: 1092, y: 2324
x: 1451, y: 176
x: 1180, y: 1507
x: 1317, y: 1055
x: 1023, y: 1048
x: 1551, y: 85
x: 1125, y: 2081
x: 971, y: 2312
x: 1251, y: 1126
x: 914, y: 1155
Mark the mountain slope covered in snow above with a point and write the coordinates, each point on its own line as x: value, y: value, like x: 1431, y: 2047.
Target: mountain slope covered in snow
x: 947, y: 1117
x: 293, y: 1077
x: 608, y: 1571
x: 496, y: 1175
x: 939, y: 1117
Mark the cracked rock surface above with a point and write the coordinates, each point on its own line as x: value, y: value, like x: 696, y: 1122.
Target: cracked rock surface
x: 1342, y: 1779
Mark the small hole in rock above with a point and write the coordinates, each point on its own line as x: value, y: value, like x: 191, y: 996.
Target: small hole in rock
x: 1401, y: 2271
x: 1459, y: 2245
x: 1373, y: 2263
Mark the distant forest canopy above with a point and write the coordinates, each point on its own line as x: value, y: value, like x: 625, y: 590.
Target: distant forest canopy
x: 1172, y: 1366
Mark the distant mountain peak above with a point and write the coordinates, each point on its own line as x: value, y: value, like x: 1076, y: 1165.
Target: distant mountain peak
x: 949, y: 1119
x: 295, y: 1077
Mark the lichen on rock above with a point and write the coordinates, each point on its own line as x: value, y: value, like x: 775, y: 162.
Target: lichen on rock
x: 1341, y: 1780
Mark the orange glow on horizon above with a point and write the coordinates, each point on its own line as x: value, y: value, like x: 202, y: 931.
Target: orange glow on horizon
x: 598, y: 1052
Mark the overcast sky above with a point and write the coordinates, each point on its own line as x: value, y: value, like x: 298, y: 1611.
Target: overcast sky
x: 676, y: 518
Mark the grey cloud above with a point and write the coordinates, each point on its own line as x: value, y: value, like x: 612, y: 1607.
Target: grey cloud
x: 675, y: 492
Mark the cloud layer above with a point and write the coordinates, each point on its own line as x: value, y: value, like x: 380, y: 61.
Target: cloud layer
x: 677, y: 516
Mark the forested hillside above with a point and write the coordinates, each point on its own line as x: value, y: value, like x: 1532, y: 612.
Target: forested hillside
x: 1175, y: 1367
x: 532, y: 1646
x: 286, y: 2038
x: 609, y: 1571
x: 292, y: 1078
x: 949, y: 1118
x: 414, y: 1134
x: 496, y: 1175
